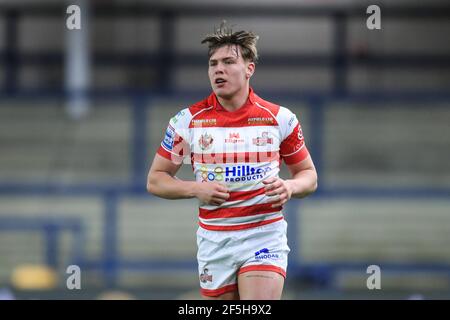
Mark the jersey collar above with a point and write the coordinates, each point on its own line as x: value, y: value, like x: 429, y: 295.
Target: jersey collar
x: 214, y: 102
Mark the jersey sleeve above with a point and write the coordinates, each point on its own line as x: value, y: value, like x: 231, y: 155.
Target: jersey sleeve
x: 175, y: 146
x: 292, y: 147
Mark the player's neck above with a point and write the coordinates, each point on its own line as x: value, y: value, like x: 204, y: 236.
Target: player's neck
x: 236, y: 101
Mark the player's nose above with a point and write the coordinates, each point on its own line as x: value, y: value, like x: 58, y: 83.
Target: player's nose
x: 219, y: 68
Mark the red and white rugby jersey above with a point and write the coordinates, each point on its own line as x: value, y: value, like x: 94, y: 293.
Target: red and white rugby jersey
x: 239, y: 149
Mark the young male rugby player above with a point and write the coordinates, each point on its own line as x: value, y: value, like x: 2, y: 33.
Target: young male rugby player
x: 236, y: 142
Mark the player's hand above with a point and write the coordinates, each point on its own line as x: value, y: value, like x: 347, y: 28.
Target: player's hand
x: 212, y: 193
x: 278, y: 189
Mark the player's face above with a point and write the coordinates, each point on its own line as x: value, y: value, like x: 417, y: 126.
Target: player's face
x: 228, y: 72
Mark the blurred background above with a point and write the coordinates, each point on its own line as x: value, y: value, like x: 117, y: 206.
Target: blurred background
x: 82, y: 113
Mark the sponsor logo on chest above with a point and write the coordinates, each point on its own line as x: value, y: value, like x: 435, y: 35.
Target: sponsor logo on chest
x: 263, y: 140
x: 240, y: 173
x: 234, y: 137
x: 204, y: 122
x: 261, y: 121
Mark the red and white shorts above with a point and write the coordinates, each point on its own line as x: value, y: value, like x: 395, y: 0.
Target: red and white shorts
x: 223, y: 255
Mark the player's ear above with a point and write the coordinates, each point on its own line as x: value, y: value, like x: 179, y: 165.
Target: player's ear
x: 250, y: 70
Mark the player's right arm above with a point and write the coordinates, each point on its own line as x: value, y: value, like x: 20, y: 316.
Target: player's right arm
x: 161, y: 180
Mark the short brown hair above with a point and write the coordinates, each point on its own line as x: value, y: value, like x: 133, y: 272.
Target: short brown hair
x: 225, y: 36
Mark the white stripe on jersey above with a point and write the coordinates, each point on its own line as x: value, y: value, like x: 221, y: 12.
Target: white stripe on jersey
x: 259, y: 199
x: 256, y: 103
x: 202, y: 110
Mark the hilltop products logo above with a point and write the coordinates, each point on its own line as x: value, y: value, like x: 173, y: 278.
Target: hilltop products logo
x: 205, y: 277
x: 265, y: 254
x: 240, y: 173
x: 216, y: 175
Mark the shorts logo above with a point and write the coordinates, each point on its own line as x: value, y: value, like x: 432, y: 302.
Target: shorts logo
x: 205, y: 277
x: 264, y: 254
x: 169, y: 138
x: 264, y: 250
x: 205, y: 141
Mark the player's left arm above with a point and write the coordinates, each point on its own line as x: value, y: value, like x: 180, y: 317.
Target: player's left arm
x: 304, y: 178
x: 302, y: 183
x: 298, y: 160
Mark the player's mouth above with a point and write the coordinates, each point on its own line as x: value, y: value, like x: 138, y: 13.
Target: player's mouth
x: 220, y: 82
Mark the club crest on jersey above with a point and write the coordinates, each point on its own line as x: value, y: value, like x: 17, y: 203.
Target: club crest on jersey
x: 263, y: 140
x: 205, y: 141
